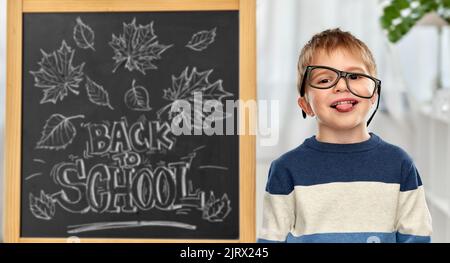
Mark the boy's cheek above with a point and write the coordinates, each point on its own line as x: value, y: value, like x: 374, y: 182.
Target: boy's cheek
x: 318, y: 104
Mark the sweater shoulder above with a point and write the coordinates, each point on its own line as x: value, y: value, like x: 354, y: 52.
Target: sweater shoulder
x: 292, y: 156
x: 282, y: 172
x: 394, y: 152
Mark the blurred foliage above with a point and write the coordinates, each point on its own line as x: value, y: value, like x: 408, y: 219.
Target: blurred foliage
x: 399, y: 16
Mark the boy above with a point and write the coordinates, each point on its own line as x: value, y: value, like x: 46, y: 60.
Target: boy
x: 344, y: 184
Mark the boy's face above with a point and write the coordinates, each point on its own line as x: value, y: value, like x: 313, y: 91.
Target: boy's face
x: 318, y: 102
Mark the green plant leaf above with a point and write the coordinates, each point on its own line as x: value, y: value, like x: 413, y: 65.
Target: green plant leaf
x: 432, y: 6
x: 409, y: 21
x: 385, y: 22
x: 394, y: 35
x: 391, y: 12
x: 401, y: 4
x: 403, y: 28
x: 446, y: 3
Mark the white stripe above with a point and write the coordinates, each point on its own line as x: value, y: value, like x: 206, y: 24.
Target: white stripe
x: 278, y: 216
x: 346, y: 207
x: 414, y: 217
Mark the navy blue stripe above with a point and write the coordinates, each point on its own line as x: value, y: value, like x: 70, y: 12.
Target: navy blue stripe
x: 306, y: 166
x: 352, y: 238
x: 402, y: 238
x: 411, y: 180
x: 359, y: 237
x: 280, y: 179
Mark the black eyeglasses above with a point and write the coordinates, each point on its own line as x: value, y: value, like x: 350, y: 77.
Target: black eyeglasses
x: 359, y: 84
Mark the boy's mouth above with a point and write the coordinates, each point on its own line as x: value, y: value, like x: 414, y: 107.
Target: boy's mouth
x: 344, y: 105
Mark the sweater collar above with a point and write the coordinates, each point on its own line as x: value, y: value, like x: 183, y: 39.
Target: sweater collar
x: 372, y: 142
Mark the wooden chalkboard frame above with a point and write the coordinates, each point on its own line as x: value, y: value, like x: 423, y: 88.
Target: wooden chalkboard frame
x: 247, y: 91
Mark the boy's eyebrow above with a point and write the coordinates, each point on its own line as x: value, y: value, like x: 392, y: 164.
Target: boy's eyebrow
x: 356, y: 69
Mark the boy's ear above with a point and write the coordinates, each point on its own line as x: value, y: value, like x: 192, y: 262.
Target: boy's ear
x: 304, y: 105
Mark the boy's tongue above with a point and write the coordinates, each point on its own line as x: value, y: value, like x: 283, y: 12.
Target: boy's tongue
x: 344, y: 107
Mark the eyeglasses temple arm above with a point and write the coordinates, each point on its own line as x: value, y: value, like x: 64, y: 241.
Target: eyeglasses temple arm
x: 376, y: 108
x: 302, y: 91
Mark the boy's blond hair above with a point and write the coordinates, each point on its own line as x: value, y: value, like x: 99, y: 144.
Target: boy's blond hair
x: 328, y: 41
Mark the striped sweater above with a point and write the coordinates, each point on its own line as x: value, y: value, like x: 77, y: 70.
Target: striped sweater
x: 361, y: 192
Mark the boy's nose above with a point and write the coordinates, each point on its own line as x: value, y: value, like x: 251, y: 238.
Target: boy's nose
x: 341, y: 85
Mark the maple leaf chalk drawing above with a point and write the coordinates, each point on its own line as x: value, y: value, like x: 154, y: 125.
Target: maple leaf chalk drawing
x: 137, y: 47
x: 186, y: 85
x: 57, y: 75
x: 137, y: 98
x: 58, y: 132
x: 43, y: 206
x: 201, y: 40
x: 83, y: 35
x: 97, y: 94
x: 216, y: 210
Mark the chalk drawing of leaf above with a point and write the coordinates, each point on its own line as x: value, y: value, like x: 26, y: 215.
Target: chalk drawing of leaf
x: 97, y: 94
x: 42, y: 207
x: 186, y: 86
x: 83, y: 35
x: 201, y: 40
x: 137, y: 98
x: 137, y: 47
x: 57, y: 75
x: 216, y: 210
x: 58, y: 132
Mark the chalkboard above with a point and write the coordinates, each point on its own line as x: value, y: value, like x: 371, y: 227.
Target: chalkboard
x: 126, y: 131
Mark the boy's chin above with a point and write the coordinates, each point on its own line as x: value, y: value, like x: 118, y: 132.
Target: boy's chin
x: 345, y: 123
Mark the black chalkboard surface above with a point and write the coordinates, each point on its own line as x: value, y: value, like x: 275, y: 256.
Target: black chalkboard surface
x: 99, y: 155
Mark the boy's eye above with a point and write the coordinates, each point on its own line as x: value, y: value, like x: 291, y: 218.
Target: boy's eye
x: 323, y: 81
x: 353, y: 76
